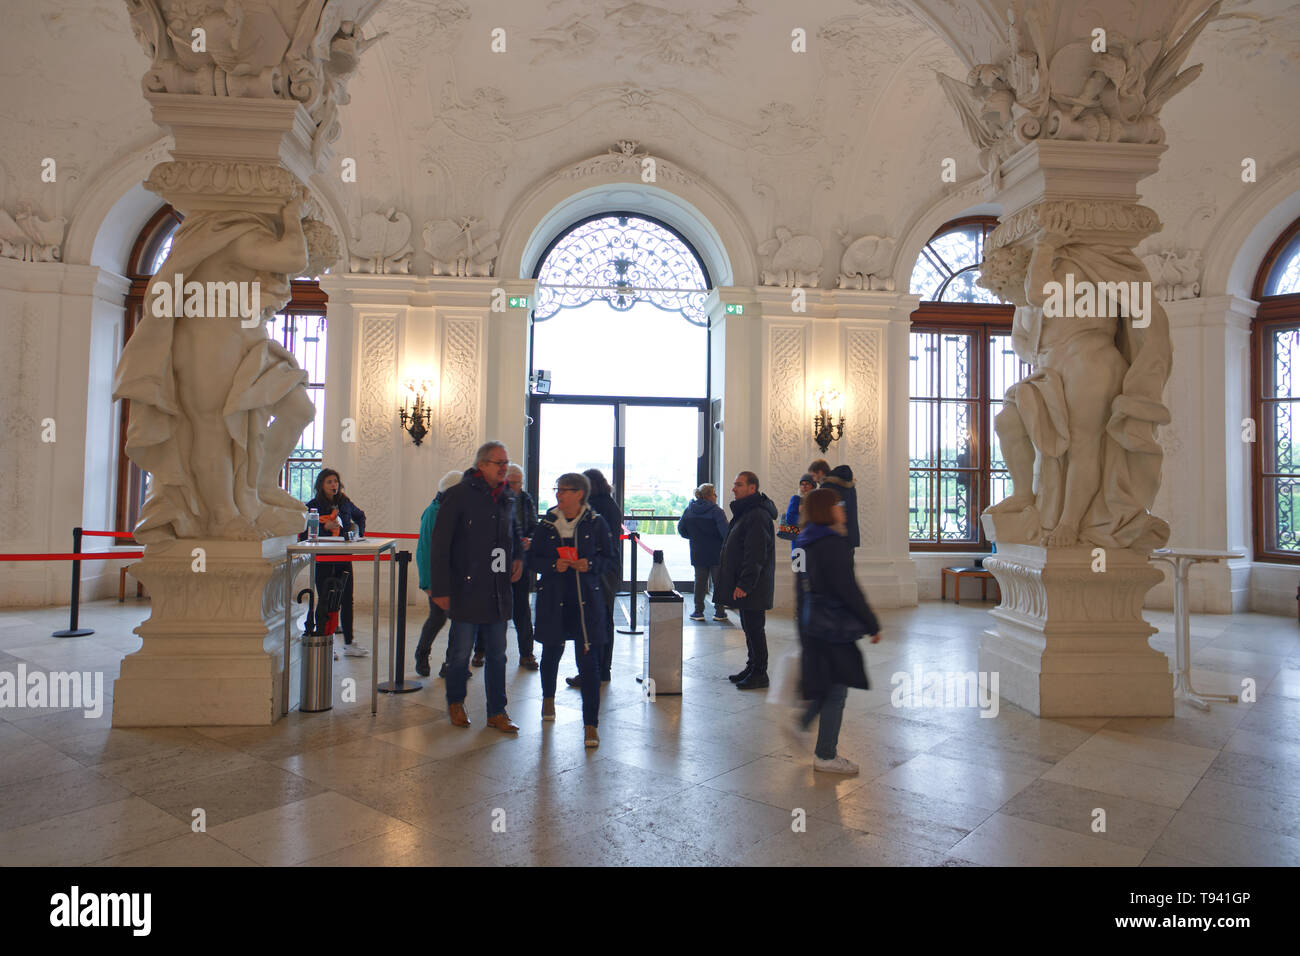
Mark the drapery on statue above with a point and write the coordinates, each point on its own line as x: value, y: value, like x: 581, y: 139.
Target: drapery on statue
x: 1089, y: 411
x: 203, y: 389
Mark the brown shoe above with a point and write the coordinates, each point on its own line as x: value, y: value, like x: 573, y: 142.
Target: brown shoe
x: 592, y: 740
x: 457, y: 714
x: 503, y: 723
x: 548, y: 708
x: 478, y: 660
x: 529, y: 662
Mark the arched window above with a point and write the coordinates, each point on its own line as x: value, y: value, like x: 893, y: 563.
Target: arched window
x: 620, y: 329
x: 1275, y: 390
x: 961, y: 365
x: 300, y: 328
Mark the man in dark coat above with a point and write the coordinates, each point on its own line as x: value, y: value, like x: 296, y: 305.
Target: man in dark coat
x: 747, y: 580
x: 841, y: 479
x: 475, y: 559
x: 525, y: 523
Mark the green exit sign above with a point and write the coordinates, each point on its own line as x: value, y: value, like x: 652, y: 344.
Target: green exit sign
x: 735, y: 309
x: 518, y: 302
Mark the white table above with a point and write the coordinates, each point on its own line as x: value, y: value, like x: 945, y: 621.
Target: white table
x: 367, y: 548
x: 1182, y: 559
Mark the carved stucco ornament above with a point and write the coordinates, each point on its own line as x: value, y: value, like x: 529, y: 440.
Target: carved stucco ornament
x: 1175, y: 275
x: 791, y: 260
x: 383, y: 244
x: 1071, y: 93
x: 865, y: 263
x: 304, y: 50
x: 464, y: 246
x: 627, y: 158
x: 29, y: 238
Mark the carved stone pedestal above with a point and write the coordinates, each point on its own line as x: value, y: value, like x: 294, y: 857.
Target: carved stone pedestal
x: 1071, y: 641
x: 214, y: 644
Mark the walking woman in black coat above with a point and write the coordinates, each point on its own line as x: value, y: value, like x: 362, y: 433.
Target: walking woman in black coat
x: 835, y: 614
x: 337, y: 515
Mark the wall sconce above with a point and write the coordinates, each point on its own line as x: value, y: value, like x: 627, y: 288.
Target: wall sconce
x: 415, y: 413
x: 828, y: 402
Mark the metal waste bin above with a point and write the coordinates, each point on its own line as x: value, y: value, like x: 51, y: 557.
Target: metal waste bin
x: 663, y: 643
x: 317, y: 673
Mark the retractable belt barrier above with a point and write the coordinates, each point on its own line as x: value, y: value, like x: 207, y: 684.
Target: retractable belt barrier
x: 76, y: 556
x: 635, y: 538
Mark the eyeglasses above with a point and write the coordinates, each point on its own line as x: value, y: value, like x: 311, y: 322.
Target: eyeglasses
x: 498, y: 462
x: 558, y: 490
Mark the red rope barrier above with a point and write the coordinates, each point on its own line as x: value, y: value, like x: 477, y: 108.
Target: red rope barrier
x: 390, y: 534
x: 82, y: 556
x: 637, y: 539
x: 108, y: 534
x: 347, y: 556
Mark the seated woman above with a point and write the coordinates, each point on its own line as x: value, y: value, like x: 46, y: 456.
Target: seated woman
x: 337, y: 515
x: 571, y: 549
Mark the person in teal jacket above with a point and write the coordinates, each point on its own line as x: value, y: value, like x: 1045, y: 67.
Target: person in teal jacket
x: 424, y: 566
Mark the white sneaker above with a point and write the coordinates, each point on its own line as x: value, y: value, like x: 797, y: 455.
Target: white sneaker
x: 354, y: 650
x: 838, y: 765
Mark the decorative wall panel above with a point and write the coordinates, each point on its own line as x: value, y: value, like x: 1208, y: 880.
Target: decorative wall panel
x: 459, y: 424
x: 863, y: 378
x: 377, y: 427
x: 787, y: 424
x: 21, y: 370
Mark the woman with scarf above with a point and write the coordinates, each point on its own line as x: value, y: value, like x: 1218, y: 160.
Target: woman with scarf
x: 834, y: 614
x: 571, y: 550
x: 337, y: 515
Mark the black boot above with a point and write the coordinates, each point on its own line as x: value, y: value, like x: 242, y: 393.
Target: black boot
x: 755, y: 681
x: 422, y: 665
x: 737, y: 678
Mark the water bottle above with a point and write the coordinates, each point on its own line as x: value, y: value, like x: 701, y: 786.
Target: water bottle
x: 313, y: 525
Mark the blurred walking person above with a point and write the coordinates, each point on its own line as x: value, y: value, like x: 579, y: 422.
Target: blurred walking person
x: 423, y: 564
x: 835, y: 614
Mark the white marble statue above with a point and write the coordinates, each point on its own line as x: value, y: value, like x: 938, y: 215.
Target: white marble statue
x: 1084, y: 422
x: 203, y: 389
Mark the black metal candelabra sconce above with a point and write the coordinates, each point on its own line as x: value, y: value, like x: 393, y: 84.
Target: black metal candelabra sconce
x: 825, y: 429
x: 417, y: 418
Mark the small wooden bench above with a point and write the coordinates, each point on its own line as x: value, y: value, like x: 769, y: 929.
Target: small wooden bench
x: 966, y: 572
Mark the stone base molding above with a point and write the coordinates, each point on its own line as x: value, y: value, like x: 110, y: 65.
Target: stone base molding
x: 1070, y: 641
x: 214, y: 643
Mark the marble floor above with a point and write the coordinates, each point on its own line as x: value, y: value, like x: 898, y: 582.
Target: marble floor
x: 707, y: 778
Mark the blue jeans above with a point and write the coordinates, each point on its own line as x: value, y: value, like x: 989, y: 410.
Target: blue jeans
x: 831, y: 708
x: 460, y: 641
x: 588, y: 667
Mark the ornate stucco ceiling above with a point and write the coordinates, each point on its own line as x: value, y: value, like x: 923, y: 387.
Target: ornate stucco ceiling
x: 848, y: 136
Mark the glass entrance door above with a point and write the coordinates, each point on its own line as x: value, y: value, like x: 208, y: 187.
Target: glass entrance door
x: 654, y: 452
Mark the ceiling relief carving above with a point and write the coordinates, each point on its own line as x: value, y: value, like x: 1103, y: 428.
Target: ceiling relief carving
x: 790, y: 260
x: 627, y: 158
x: 1071, y: 92
x: 418, y: 30
x: 866, y: 263
x: 29, y: 238
x: 1175, y: 274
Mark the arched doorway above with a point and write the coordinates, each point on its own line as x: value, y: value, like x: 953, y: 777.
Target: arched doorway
x: 619, y: 372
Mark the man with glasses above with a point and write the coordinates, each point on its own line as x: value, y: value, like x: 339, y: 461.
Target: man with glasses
x: 476, y: 557
x: 747, y: 579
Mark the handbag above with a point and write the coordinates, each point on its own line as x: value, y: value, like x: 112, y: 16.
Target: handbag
x: 826, y: 618
x: 787, y: 532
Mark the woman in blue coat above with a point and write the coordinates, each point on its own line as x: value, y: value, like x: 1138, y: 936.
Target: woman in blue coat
x: 570, y: 595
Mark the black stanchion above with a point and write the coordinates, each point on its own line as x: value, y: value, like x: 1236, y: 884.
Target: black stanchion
x: 399, y: 685
x: 632, y: 628
x: 72, y: 629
